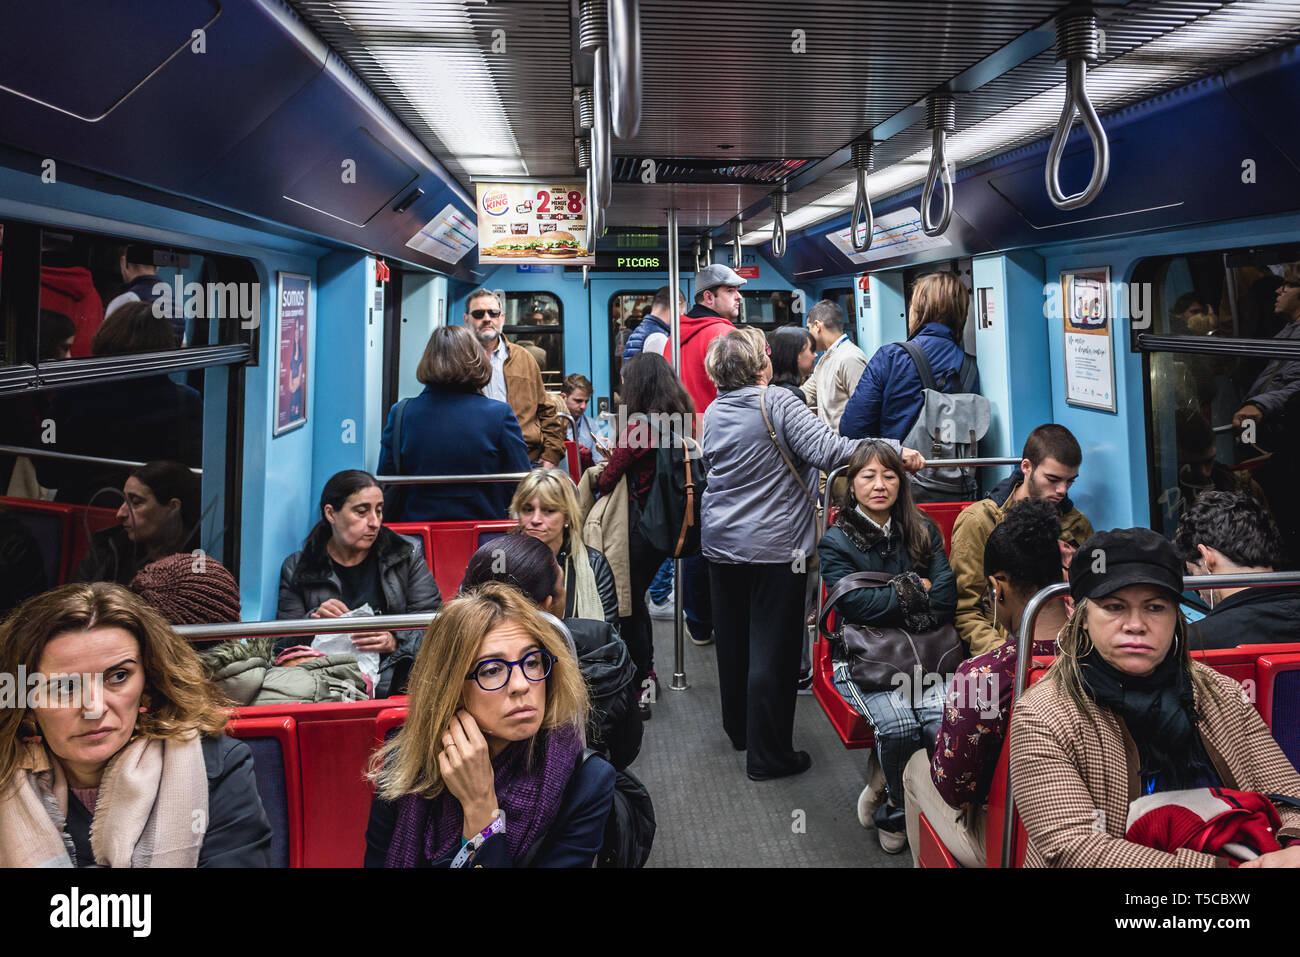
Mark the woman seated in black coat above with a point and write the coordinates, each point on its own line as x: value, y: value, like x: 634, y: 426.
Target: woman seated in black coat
x: 547, y: 509
x: 349, y: 560
x: 488, y: 770
x: 132, y: 770
x: 452, y: 429
x: 159, y: 516
x: 880, y: 529
x: 615, y: 727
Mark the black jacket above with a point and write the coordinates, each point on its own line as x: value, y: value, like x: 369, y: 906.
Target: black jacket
x: 1255, y: 616
x: 605, y: 585
x: 854, y: 544
x: 307, y: 579
x: 615, y: 727
x: 238, y: 833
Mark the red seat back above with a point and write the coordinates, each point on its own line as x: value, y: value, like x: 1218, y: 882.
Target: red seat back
x: 944, y: 515
x: 574, y: 462
x: 1278, y: 698
x: 277, y: 768
x: 931, y: 851
x: 449, y: 545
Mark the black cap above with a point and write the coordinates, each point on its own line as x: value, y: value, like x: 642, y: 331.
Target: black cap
x: 1116, y: 559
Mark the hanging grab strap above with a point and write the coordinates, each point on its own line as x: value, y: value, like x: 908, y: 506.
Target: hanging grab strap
x: 942, y: 119
x: 862, y: 155
x: 1078, y: 44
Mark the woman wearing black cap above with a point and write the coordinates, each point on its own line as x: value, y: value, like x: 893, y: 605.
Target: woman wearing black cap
x: 1124, y: 713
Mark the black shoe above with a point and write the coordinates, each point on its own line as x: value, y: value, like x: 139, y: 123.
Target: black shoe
x: 805, y: 681
x: 643, y: 709
x: 801, y: 763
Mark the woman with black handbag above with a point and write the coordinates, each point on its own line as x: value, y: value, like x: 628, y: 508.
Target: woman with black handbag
x: 891, y: 666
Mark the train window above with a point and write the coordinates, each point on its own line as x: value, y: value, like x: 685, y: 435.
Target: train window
x: 769, y: 309
x: 534, y: 320
x: 843, y: 295
x: 1204, y: 429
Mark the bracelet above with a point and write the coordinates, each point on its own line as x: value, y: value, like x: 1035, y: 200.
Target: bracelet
x: 470, y: 848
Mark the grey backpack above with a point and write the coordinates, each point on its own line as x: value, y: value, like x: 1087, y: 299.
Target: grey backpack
x: 950, y: 425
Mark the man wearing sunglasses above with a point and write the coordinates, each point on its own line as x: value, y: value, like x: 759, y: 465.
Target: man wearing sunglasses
x: 516, y: 380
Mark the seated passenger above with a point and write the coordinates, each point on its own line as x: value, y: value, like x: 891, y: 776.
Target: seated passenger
x: 588, y: 433
x: 1229, y: 533
x: 112, y: 775
x: 189, y: 589
x: 547, y: 509
x: 614, y: 728
x: 880, y: 529
x: 1021, y: 558
x: 488, y: 769
x: 159, y: 517
x: 1125, y: 712
x: 450, y: 429
x: 350, y: 560
x: 1049, y: 465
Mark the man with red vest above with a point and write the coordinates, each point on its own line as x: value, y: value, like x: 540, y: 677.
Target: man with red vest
x: 717, y: 305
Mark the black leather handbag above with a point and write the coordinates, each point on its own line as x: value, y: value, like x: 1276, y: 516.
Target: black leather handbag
x: 876, y: 653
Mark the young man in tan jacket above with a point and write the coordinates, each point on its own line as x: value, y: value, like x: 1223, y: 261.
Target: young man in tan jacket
x: 516, y: 380
x: 1048, y: 467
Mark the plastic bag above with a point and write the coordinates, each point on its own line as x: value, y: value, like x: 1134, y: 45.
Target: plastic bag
x: 340, y: 643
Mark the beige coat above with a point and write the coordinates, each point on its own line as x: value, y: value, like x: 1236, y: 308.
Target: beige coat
x: 833, y: 381
x: 605, y: 528
x: 1074, y: 774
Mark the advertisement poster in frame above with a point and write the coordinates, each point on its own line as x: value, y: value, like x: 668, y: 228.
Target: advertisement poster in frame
x: 533, y: 222
x: 1088, y: 343
x: 293, y: 296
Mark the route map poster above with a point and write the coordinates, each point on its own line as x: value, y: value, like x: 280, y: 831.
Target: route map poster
x: 292, y: 297
x: 1089, y: 351
x: 896, y: 234
x: 539, y: 221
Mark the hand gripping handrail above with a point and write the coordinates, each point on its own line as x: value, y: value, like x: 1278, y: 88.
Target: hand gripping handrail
x: 779, y: 201
x: 625, y: 66
x: 1024, y: 644
x: 593, y: 36
x: 862, y: 156
x: 1077, y: 43
x: 941, y: 117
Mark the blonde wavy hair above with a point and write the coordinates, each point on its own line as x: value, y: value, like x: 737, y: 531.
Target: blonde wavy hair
x: 1074, y: 644
x: 556, y: 490
x: 178, y: 696
x: 408, y: 763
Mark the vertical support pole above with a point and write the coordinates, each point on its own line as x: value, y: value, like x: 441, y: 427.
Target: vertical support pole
x: 679, y: 682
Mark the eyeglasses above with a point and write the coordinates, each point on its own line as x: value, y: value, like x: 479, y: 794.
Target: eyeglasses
x: 494, y: 673
x: 480, y: 313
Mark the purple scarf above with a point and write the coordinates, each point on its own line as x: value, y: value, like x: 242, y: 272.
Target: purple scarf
x: 428, y: 830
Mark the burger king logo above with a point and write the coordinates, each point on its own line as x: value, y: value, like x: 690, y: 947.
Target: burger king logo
x: 496, y: 202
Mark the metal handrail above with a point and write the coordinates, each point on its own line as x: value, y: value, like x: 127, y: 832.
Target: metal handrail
x: 942, y: 119
x: 708, y: 249
x: 451, y: 479
x: 600, y: 146
x: 625, y: 66
x: 1023, y: 656
x: 573, y: 426
x: 862, y: 158
x: 70, y: 457
x: 1077, y: 43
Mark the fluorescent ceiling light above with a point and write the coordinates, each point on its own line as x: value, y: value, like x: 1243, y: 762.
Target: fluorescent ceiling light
x: 437, y: 65
x: 1222, y: 33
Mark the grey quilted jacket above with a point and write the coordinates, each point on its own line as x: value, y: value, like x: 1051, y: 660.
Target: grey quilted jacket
x: 1280, y: 380
x: 754, y: 510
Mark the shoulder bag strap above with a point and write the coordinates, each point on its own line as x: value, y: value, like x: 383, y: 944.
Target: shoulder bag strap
x: 922, y: 364
x: 762, y: 405
x: 847, y: 584
x: 689, y: 518
x: 966, y: 377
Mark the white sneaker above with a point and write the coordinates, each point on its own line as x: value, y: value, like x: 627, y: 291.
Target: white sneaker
x: 662, y: 612
x: 873, y: 795
x: 892, y: 842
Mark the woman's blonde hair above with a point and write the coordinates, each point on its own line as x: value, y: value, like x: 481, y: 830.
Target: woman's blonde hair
x: 1074, y: 644
x: 178, y: 697
x: 737, y: 359
x: 555, y: 489
x: 408, y: 763
x: 939, y: 297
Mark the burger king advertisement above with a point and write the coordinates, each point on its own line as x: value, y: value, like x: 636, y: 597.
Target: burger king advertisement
x: 536, y: 222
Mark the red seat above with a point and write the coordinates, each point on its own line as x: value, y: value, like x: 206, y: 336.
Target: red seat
x: 418, y: 530
x: 574, y: 462
x: 944, y: 515
x: 449, y: 545
x: 853, y: 729
x: 280, y: 787
x: 931, y: 851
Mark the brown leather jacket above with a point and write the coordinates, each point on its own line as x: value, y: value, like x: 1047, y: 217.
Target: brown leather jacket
x: 543, y: 430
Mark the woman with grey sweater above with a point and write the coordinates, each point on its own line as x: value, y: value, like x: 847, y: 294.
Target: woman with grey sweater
x: 763, y: 449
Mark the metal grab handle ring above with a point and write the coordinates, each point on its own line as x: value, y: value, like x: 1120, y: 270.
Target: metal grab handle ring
x: 861, y: 152
x: 1078, y: 43
x: 778, y: 224
x: 942, y: 119
x: 625, y: 66
x: 736, y: 249
x: 708, y: 249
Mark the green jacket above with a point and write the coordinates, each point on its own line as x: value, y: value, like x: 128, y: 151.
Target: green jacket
x: 969, y: 536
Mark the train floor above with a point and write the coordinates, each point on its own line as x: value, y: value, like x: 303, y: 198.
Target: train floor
x: 709, y: 814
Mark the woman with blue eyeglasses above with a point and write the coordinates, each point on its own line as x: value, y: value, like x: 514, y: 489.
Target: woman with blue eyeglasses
x: 489, y: 769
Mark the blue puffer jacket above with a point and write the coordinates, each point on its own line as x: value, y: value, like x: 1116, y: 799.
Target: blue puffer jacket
x: 888, y: 397
x: 647, y: 326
